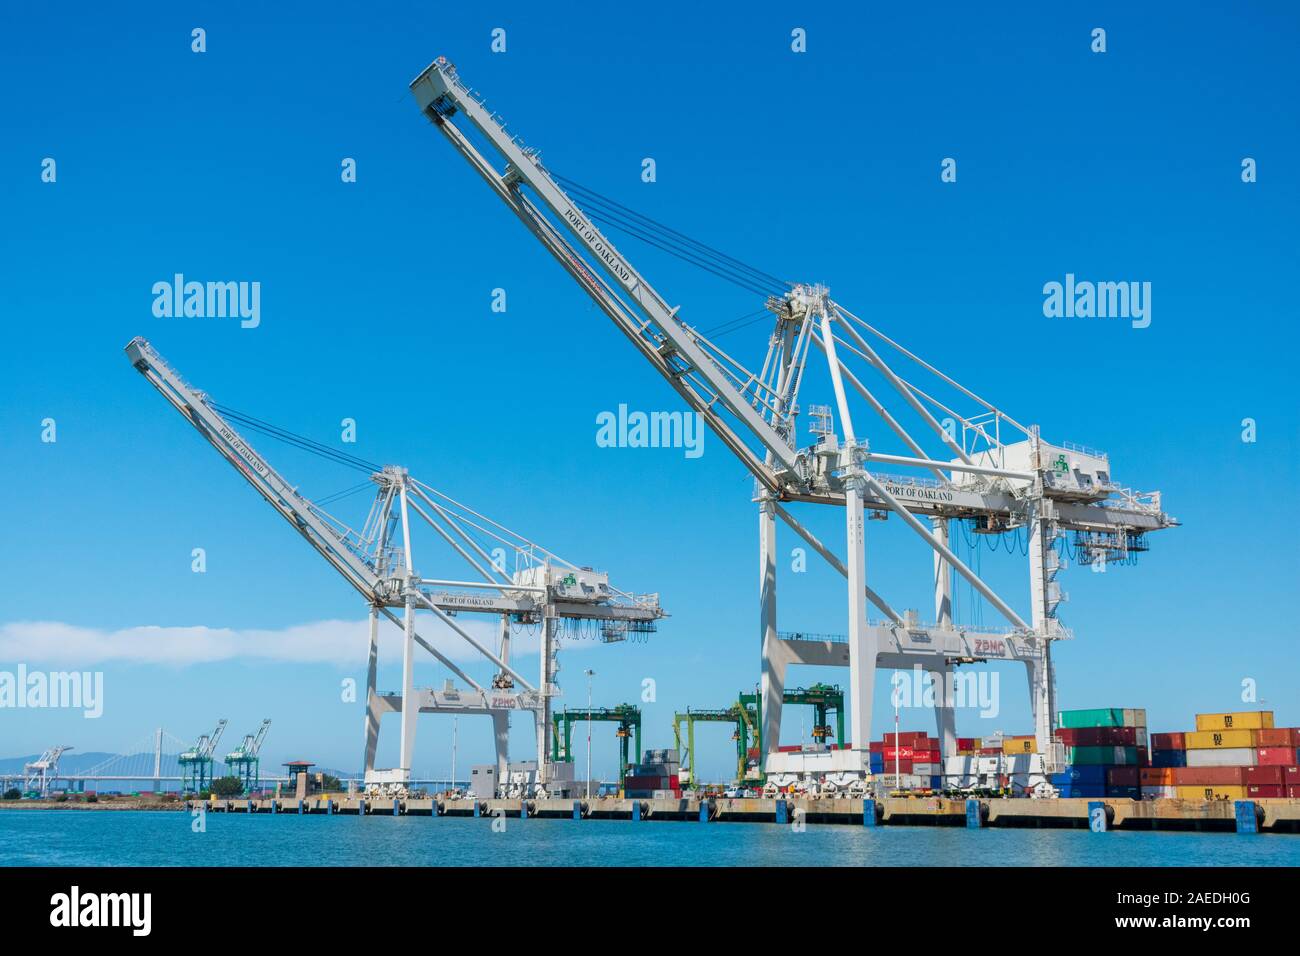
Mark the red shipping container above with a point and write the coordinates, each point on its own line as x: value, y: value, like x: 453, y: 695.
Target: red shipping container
x: 1098, y: 736
x: 1122, y: 776
x: 1274, y: 756
x: 989, y: 751
x: 1267, y: 776
x: 1265, y: 790
x: 902, y: 753
x: 1168, y: 742
x: 876, y: 746
x: 1291, y: 775
x: 925, y: 756
x: 792, y: 748
x: 965, y: 743
x: 1144, y: 757
x: 1209, y: 776
x: 1280, y: 737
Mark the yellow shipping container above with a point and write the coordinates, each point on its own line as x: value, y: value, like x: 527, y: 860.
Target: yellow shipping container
x: 1241, y: 720
x: 1214, y: 739
x: 1186, y: 792
x: 1020, y: 745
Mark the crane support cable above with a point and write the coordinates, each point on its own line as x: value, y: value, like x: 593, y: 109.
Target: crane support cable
x: 926, y: 365
x: 300, y: 441
x: 717, y: 254
x: 746, y: 284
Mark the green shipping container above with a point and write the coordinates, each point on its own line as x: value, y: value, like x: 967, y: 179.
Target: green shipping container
x: 1097, y: 717
x: 1107, y: 756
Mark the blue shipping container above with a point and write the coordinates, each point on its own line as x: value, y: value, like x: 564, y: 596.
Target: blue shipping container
x: 1081, y: 790
x: 936, y: 783
x: 1128, y: 793
x: 1081, y: 773
x: 1169, y: 758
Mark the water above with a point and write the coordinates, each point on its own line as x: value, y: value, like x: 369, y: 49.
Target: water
x: 144, y: 838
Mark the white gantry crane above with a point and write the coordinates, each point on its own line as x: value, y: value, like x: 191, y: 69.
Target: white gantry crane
x: 512, y: 578
x: 986, y: 470
x: 40, y: 774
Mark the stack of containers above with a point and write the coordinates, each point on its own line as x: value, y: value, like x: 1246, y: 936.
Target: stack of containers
x: 1231, y: 756
x: 657, y: 775
x: 910, y: 753
x: 1105, y: 750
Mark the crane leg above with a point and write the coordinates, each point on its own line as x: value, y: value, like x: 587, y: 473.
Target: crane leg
x: 945, y: 711
x: 501, y: 737
x: 773, y: 674
x: 863, y: 644
x: 372, y: 711
x: 410, y: 706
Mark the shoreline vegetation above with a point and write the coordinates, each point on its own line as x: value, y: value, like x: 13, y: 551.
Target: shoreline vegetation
x: 103, y: 803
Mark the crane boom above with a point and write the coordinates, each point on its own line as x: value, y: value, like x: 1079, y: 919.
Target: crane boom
x: 669, y: 344
x: 232, y: 446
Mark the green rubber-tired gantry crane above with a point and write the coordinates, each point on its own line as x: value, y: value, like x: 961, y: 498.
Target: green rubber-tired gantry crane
x: 628, y: 718
x: 747, y: 715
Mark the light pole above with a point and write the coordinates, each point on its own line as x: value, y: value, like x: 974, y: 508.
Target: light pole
x: 590, y: 674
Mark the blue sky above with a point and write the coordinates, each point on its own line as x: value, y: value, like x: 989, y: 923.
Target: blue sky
x: 821, y: 166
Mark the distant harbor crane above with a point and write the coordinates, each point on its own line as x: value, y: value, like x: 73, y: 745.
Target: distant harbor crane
x: 245, y: 762
x: 40, y: 774
x: 196, y: 763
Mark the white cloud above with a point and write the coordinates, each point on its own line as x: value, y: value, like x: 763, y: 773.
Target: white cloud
x: 341, y: 643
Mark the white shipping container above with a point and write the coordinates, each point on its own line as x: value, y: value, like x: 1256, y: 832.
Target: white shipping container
x: 1222, y: 757
x: 926, y: 769
x: 1135, y: 717
x: 1160, y: 793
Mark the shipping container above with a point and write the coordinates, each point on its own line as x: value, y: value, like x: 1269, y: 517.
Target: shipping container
x: 968, y: 743
x: 1019, y: 745
x: 1074, y: 790
x: 1279, y: 737
x: 1274, y: 757
x: 1211, y: 739
x: 1209, y: 776
x: 1096, y: 717
x: 1240, y: 720
x: 1167, y: 792
x: 1169, y: 758
x: 1264, y: 776
x: 1124, y: 793
x: 1155, y: 777
x: 1256, y: 790
x: 1291, y: 775
x: 1081, y: 774
x: 1227, y: 757
x: 1212, y: 792
x: 1122, y: 777
x: 1122, y: 756
x: 1099, y: 736
x: 1168, y: 742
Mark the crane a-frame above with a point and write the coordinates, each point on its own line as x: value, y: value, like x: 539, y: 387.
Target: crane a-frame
x: 989, y: 469
x: 541, y: 590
